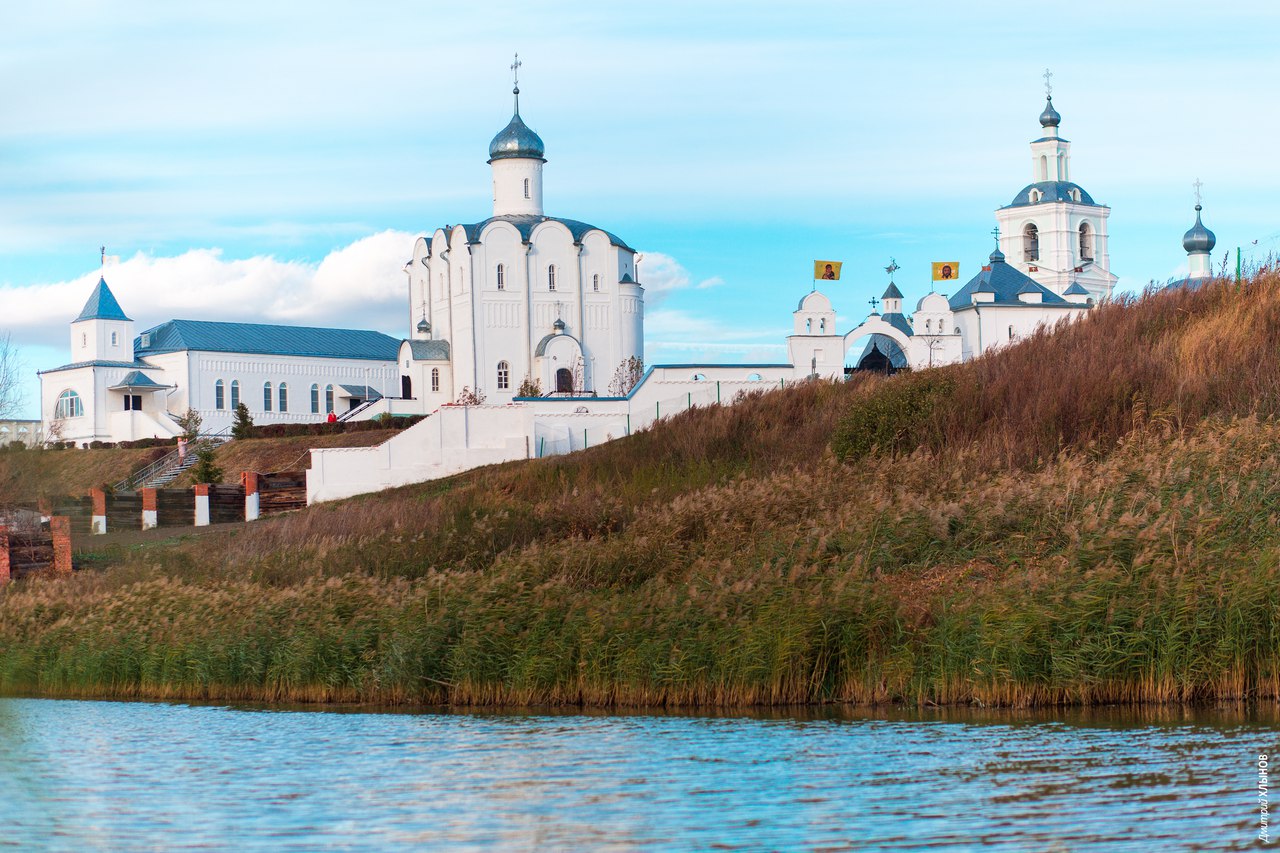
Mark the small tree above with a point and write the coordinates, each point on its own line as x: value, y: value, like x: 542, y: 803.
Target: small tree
x: 243, y: 426
x: 53, y: 435
x: 11, y: 396
x: 206, y: 470
x: 190, y: 421
x: 530, y: 388
x: 469, y: 397
x: 627, y: 376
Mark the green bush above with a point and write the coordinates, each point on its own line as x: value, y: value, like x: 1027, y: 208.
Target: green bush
x: 896, y: 417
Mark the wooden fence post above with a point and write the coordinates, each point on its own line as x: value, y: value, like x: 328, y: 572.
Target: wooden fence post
x: 98, y: 520
x: 4, y: 555
x: 150, y: 509
x: 252, y: 500
x: 60, y: 527
x: 202, y: 505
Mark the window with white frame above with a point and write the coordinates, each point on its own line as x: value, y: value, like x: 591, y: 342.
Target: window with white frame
x: 68, y: 405
x: 551, y: 277
x: 504, y: 376
x: 266, y: 396
x: 435, y: 380
x: 219, y: 395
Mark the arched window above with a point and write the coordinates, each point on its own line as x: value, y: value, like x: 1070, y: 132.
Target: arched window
x: 219, y: 395
x: 551, y: 277
x: 68, y: 405
x: 595, y: 282
x: 1062, y: 167
x: 328, y: 398
x: 808, y: 326
x: 435, y: 380
x: 235, y: 393
x: 284, y: 397
x: 957, y: 331
x: 504, y: 376
x: 1035, y: 196
x: 928, y: 326
x: 502, y: 277
x: 699, y: 377
x: 526, y: 187
x: 1086, y: 242
x: 1031, y: 242
x: 266, y: 396
x: 822, y: 326
x: 564, y: 381
x: 315, y: 399
x: 1044, y: 168
x: 755, y: 377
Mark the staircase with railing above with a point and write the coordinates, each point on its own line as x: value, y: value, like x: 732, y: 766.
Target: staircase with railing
x: 168, y: 468
x: 351, y: 413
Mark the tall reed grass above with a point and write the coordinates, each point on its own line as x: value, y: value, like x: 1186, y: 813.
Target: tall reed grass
x: 1050, y: 542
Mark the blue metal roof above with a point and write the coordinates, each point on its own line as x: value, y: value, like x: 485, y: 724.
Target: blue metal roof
x: 526, y: 222
x: 1006, y: 283
x: 429, y: 350
x: 98, y: 363
x: 102, y: 305
x: 888, y: 347
x: 1076, y: 289
x: 899, y: 322
x: 261, y: 339
x: 892, y: 292
x: 1050, y: 191
x: 137, y: 380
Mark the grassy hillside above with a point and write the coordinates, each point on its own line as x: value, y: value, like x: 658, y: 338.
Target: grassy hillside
x: 282, y: 454
x: 1090, y: 516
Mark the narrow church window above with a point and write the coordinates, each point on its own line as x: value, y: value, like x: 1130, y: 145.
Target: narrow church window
x: 551, y: 277
x: 1011, y: 333
x: 808, y: 326
x: 1044, y: 168
x: 822, y: 326
x: 502, y: 277
x: 957, y: 331
x: 928, y: 326
x: 266, y: 397
x: 219, y: 395
x: 68, y: 405
x: 315, y: 399
x: 595, y: 282
x: 1031, y: 242
x: 328, y: 398
x: 115, y: 339
x: 235, y: 393
x: 84, y: 340
x: 284, y: 397
x: 504, y: 376
x: 435, y: 380
x: 1086, y: 242
x: 526, y: 187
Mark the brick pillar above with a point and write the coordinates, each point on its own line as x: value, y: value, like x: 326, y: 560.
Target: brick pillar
x: 202, y: 505
x: 4, y: 555
x: 98, y: 524
x: 252, y: 500
x: 60, y: 527
x: 150, y: 507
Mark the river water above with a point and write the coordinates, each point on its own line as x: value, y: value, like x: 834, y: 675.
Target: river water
x: 81, y: 776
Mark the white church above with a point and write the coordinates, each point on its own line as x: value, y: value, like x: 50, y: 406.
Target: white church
x: 520, y: 326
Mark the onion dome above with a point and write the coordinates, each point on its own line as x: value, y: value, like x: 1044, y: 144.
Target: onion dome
x: 1050, y: 117
x: 424, y: 326
x: 516, y: 140
x: 1199, y: 239
x: 558, y: 325
x: 997, y: 257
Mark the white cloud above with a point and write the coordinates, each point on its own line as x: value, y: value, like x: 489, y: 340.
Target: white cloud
x: 714, y: 281
x: 361, y: 285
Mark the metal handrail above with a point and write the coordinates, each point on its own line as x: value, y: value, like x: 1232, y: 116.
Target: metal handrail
x: 130, y: 483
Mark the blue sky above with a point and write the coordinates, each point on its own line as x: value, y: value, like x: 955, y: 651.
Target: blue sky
x: 272, y: 161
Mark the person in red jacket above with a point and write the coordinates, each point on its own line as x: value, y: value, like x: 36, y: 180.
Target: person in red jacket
x: 333, y: 419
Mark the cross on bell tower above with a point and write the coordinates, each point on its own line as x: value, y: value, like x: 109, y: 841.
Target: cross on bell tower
x: 1048, y: 83
x: 515, y: 80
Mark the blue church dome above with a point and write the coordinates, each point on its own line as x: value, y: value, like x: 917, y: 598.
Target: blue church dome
x: 1199, y: 238
x: 516, y: 140
x: 1050, y: 117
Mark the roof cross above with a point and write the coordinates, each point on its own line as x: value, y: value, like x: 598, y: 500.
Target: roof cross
x: 1048, y: 83
x: 873, y: 302
x: 103, y: 260
x: 1197, y: 186
x: 995, y: 232
x: 515, y: 80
